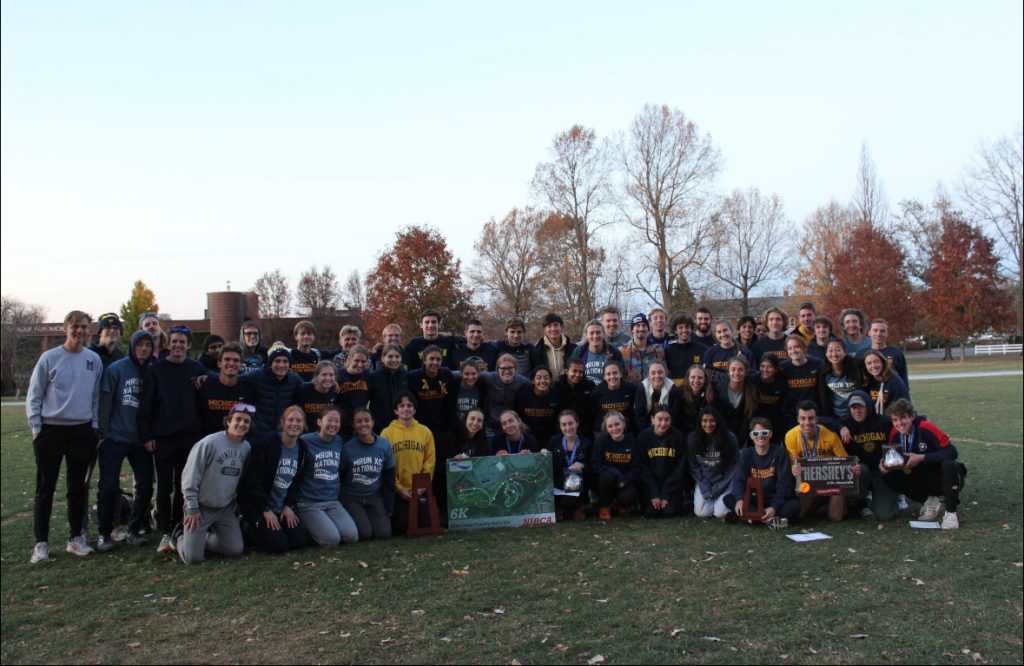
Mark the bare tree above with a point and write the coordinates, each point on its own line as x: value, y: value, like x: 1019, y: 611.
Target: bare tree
x: 992, y: 190
x: 353, y: 294
x: 919, y: 229
x: 318, y: 292
x: 19, y: 353
x: 507, y: 265
x: 274, y: 293
x: 754, y: 235
x: 575, y: 185
x: 668, y: 166
x: 869, y: 198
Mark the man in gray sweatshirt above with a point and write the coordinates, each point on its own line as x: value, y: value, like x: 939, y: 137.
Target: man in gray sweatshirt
x: 209, y: 486
x: 62, y: 406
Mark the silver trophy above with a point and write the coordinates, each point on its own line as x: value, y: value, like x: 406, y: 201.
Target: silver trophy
x: 894, y: 458
x: 573, y: 482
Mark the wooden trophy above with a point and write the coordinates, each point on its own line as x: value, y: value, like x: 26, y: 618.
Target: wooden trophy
x: 422, y: 480
x: 754, y: 487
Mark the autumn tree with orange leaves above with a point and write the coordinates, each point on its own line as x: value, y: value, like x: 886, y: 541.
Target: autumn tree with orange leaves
x: 965, y: 294
x: 870, y: 274
x: 417, y: 273
x: 820, y: 241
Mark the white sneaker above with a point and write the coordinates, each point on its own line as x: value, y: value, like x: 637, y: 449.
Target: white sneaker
x: 930, y: 509
x: 950, y: 521
x: 119, y: 534
x: 79, y: 546
x: 40, y: 553
x: 165, y: 544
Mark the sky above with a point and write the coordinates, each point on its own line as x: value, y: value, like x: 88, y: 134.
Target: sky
x: 194, y: 144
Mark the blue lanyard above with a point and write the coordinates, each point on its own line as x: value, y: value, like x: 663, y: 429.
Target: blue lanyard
x: 575, y: 449
x: 814, y: 449
x: 508, y: 444
x: 908, y: 440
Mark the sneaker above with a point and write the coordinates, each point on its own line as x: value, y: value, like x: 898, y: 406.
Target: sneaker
x: 730, y: 517
x: 950, y: 521
x: 40, y: 553
x: 901, y: 502
x: 930, y: 509
x: 105, y: 544
x: 79, y: 546
x: 867, y: 514
x: 176, y: 534
x: 165, y: 544
x: 776, y: 524
x: 604, y: 513
x: 135, y: 540
x: 119, y: 534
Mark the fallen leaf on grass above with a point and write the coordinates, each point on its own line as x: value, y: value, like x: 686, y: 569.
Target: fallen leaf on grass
x: 812, y: 650
x: 446, y: 639
x: 324, y: 632
x: 1013, y: 641
x: 560, y: 648
x: 596, y: 659
x: 460, y: 572
x: 515, y: 662
x: 345, y: 634
x: 499, y: 611
x: 851, y: 550
x: 386, y: 641
x: 859, y: 532
x: 601, y: 601
x: 417, y: 613
x: 713, y: 639
x: 676, y: 632
x: 858, y: 636
x: 918, y: 581
x: 363, y: 565
x: 250, y: 632
x: 909, y: 560
x: 134, y: 645
x: 467, y: 618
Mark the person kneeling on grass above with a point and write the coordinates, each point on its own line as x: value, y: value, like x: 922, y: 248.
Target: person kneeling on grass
x: 316, y: 490
x: 270, y: 522
x: 209, y: 487
x: 711, y: 456
x: 660, y: 466
x: 368, y: 492
x: 809, y: 441
x: 931, y: 470
x: 770, y: 464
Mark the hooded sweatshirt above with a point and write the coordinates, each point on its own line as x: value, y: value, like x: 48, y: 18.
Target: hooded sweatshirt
x: 120, y: 390
x: 252, y: 359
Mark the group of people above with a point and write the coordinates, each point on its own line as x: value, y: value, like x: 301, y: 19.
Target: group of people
x: 278, y: 447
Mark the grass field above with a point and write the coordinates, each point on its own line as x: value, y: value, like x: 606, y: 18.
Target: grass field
x: 630, y: 591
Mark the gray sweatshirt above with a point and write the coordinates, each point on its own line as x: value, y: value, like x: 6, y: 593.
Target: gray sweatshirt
x: 212, y: 472
x: 64, y: 389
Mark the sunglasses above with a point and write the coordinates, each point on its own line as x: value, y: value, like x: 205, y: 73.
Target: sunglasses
x: 760, y: 433
x: 242, y: 407
x: 181, y: 329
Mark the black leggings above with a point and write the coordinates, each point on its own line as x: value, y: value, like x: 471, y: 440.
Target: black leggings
x: 54, y: 444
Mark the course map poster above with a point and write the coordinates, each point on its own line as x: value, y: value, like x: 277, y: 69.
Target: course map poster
x: 508, y: 491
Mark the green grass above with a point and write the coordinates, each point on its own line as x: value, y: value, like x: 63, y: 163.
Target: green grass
x: 632, y: 590
x: 932, y: 366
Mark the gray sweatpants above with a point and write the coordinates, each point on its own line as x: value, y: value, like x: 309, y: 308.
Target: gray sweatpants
x: 370, y: 517
x: 226, y: 537
x: 328, y: 523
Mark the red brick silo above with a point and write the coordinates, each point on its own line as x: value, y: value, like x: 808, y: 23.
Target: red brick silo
x: 228, y: 309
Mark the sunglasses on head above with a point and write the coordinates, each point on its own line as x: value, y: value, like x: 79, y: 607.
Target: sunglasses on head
x: 181, y: 329
x: 242, y: 407
x: 761, y: 433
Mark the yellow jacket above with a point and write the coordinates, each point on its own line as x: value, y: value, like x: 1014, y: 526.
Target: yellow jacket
x: 829, y: 444
x: 414, y: 451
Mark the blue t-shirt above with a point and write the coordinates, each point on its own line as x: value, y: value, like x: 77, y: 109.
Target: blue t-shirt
x: 363, y: 464
x: 318, y: 479
x: 287, y: 469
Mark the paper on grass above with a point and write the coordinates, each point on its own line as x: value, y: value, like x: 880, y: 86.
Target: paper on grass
x: 810, y: 536
x: 559, y: 491
x: 925, y: 525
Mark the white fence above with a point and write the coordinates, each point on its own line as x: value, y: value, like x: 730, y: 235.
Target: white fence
x: 989, y: 350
